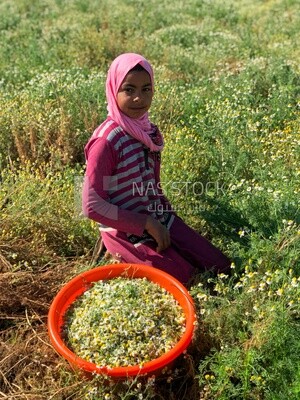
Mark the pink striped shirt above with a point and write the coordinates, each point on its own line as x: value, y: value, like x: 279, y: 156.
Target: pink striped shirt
x: 122, y: 181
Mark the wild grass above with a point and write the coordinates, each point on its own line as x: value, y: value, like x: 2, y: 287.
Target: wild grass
x: 227, y: 100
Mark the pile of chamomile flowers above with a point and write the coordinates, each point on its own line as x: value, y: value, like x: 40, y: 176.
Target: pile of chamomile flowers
x: 123, y: 322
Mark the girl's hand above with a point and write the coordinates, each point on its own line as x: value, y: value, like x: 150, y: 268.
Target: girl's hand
x: 159, y: 233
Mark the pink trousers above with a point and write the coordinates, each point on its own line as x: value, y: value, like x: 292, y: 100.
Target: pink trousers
x: 189, y: 253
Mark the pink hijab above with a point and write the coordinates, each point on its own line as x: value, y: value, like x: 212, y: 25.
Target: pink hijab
x: 141, y: 128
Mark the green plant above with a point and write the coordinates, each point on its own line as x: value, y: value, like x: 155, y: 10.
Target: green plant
x: 40, y: 215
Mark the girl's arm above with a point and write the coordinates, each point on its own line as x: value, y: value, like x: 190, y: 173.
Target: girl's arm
x: 101, y: 161
x: 159, y: 233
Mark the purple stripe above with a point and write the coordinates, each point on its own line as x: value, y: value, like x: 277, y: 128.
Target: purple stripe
x: 122, y: 169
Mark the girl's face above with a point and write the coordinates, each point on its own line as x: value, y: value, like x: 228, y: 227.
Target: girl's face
x: 135, y: 94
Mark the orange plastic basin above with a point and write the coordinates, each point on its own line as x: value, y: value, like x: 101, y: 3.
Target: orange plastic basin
x: 82, y: 282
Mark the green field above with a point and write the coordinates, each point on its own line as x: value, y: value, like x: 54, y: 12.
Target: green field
x: 227, y: 100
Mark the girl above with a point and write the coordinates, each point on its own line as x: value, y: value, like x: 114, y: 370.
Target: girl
x: 122, y: 190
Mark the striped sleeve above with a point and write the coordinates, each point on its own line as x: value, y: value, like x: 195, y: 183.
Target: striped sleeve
x: 102, y: 159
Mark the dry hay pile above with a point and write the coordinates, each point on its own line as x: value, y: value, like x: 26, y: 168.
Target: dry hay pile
x: 29, y: 367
